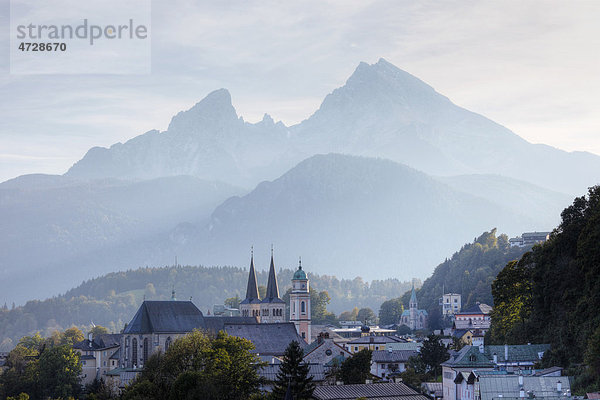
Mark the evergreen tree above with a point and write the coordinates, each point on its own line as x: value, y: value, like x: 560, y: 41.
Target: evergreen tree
x: 357, y: 368
x: 293, y: 372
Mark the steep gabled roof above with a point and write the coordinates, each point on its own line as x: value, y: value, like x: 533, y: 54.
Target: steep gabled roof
x: 272, y: 295
x: 252, y: 289
x: 468, y: 356
x: 268, y: 339
x: 167, y: 317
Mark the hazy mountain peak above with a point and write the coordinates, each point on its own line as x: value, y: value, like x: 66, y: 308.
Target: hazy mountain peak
x: 213, y: 110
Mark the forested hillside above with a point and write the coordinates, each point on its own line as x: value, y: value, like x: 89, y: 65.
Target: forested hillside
x: 470, y: 272
x: 552, y: 295
x: 113, y: 299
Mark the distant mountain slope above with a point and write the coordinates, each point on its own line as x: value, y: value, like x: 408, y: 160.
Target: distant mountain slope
x: 350, y: 216
x: 48, y: 222
x: 519, y: 196
x: 381, y: 111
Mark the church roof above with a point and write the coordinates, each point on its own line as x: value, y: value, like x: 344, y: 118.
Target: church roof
x: 268, y: 339
x: 299, y: 274
x: 406, y: 313
x: 166, y: 316
x: 252, y: 289
x: 272, y: 295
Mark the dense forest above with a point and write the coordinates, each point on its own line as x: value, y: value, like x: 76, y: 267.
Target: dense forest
x: 470, y: 272
x: 113, y: 299
x: 552, y: 294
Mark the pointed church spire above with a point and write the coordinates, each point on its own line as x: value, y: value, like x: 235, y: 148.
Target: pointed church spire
x: 413, y: 295
x: 272, y: 288
x: 252, y: 289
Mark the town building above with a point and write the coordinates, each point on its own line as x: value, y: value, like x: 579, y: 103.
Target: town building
x: 371, y: 343
x: 324, y: 351
x: 451, y: 304
x: 362, y: 330
x: 96, y: 355
x: 462, y: 370
x: 475, y: 317
x: 300, y: 304
x: 386, y: 363
x: 469, y: 358
x: 529, y: 239
x: 413, y: 317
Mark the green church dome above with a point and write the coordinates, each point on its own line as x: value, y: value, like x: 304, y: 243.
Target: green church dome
x: 299, y: 274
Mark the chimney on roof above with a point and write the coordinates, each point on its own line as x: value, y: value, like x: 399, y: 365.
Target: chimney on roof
x: 495, y: 358
x: 505, y: 353
x: 559, y: 386
x: 521, y: 381
x: 522, y: 393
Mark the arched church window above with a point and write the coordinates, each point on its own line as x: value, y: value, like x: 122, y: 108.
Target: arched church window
x: 168, y: 343
x: 302, y: 307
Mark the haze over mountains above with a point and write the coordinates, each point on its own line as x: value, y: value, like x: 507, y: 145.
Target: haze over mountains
x: 386, y: 179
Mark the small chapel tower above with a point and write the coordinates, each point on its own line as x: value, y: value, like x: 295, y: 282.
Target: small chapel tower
x: 300, y: 303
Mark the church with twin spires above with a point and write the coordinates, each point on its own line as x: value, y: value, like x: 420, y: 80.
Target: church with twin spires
x: 271, y: 309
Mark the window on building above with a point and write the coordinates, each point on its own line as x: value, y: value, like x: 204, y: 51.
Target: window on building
x: 168, y: 343
x: 303, y: 335
x: 146, y: 349
x: 328, y: 352
x: 83, y: 362
x: 302, y: 307
x: 134, y: 351
x: 294, y: 306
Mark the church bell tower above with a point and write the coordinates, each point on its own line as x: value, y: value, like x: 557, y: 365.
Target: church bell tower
x: 300, y: 304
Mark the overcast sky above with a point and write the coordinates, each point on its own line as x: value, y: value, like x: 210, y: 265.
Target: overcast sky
x: 530, y: 66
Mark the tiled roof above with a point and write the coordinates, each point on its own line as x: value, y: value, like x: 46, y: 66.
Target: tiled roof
x: 517, y: 353
x: 269, y: 372
x: 376, y: 340
x: 268, y: 339
x: 491, y: 386
x: 166, y: 317
x: 385, y: 356
x: 433, y: 387
x: 381, y: 391
x: 87, y: 357
x: 468, y: 356
x: 479, y: 308
x: 100, y: 342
